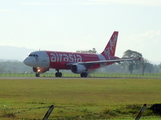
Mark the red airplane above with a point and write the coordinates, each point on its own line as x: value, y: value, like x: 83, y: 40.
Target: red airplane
x: 78, y: 63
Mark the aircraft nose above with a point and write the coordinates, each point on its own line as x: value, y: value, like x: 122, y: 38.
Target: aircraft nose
x: 28, y: 61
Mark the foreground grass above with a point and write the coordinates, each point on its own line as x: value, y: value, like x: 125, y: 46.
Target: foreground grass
x: 77, y: 98
x: 97, y: 74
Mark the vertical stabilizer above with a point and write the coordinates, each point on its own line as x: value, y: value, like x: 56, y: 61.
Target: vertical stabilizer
x: 111, y: 45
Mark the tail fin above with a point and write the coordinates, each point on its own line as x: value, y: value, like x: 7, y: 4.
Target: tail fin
x: 111, y: 45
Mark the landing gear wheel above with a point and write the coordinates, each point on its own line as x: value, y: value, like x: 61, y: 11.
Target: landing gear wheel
x: 84, y: 74
x: 58, y: 74
x: 37, y: 74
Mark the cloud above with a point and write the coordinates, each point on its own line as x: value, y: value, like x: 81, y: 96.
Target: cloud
x: 152, y: 35
x: 2, y: 11
x: 26, y: 3
x: 94, y: 2
x: 137, y: 2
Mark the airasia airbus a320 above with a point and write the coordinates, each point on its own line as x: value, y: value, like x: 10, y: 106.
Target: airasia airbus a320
x: 79, y: 63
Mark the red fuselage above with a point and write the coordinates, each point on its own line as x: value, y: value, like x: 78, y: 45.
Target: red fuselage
x: 61, y: 60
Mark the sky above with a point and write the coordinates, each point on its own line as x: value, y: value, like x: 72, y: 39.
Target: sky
x: 70, y: 25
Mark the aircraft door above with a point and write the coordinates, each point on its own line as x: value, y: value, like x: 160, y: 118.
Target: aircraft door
x: 45, y: 60
x: 42, y: 59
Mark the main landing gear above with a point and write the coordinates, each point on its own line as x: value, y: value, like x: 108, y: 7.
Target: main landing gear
x: 58, y: 74
x: 84, y: 74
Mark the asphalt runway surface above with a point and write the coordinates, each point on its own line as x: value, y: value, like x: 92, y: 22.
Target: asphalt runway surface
x: 68, y: 78
x: 44, y: 78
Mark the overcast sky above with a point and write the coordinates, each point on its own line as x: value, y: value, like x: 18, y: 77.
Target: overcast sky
x: 70, y: 25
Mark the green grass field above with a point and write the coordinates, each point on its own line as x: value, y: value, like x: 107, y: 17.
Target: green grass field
x: 97, y: 74
x: 78, y: 98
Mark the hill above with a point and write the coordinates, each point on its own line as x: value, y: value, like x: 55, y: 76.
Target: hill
x: 14, y: 53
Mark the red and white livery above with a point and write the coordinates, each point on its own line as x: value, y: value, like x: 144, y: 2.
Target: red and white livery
x: 79, y: 63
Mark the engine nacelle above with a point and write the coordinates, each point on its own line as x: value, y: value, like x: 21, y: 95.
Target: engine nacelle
x: 78, y: 68
x: 40, y: 70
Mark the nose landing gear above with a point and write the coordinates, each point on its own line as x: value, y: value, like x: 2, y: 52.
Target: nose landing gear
x: 37, y: 74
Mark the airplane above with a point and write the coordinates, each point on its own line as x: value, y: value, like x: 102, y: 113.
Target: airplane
x: 78, y: 63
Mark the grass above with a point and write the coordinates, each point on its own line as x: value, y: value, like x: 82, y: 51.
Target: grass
x: 149, y: 75
x: 78, y: 98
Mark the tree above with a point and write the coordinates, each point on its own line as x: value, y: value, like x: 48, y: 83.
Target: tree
x: 87, y: 51
x: 13, y: 67
x: 141, y: 64
x: 160, y: 65
x: 146, y: 66
x: 131, y: 65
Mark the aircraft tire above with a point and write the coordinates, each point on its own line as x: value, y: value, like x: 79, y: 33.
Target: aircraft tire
x: 84, y: 74
x: 37, y: 74
x: 81, y: 74
x: 58, y: 74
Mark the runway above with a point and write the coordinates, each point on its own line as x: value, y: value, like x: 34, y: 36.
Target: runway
x: 52, y: 78
x: 69, y: 78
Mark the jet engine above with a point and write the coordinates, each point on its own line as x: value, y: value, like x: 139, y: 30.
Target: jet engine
x: 77, y: 68
x: 40, y: 70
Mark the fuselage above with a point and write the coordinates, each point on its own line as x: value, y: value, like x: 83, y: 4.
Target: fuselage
x: 62, y: 60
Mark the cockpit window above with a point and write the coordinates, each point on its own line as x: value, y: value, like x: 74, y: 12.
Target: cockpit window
x: 33, y: 55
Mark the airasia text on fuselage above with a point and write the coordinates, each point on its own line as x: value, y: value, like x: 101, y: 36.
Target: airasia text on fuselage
x: 65, y: 57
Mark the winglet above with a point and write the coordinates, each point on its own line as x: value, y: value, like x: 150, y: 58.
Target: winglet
x: 111, y: 45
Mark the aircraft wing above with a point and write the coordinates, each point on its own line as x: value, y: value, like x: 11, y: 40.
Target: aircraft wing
x: 104, y: 61
x: 107, y: 61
